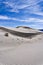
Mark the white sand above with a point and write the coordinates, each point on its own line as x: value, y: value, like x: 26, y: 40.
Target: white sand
x: 15, y: 50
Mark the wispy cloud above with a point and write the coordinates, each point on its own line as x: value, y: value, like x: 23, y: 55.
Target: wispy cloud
x: 15, y: 6
x: 31, y: 6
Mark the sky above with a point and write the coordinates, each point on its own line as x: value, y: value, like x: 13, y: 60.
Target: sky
x: 21, y: 13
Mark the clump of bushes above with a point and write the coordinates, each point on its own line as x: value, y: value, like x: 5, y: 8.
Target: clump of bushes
x: 6, y: 34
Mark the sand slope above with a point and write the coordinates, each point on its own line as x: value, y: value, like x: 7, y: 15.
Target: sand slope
x: 20, y: 47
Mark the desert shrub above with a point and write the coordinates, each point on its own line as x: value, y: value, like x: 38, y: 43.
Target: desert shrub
x: 6, y: 34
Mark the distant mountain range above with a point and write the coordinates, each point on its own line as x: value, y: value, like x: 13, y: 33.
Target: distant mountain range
x: 41, y: 29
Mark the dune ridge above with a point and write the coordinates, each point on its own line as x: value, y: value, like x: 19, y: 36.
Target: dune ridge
x: 21, y: 34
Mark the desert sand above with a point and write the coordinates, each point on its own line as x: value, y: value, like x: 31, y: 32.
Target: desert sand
x: 22, y: 46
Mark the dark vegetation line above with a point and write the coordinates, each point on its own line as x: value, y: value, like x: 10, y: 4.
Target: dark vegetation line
x: 21, y: 34
x: 24, y: 27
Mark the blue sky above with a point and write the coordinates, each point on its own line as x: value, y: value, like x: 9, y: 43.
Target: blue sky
x: 21, y: 13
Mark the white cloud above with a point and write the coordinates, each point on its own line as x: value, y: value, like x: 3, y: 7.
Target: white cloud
x: 7, y: 18
x: 36, y: 23
x: 21, y: 20
x: 33, y: 20
x: 4, y: 17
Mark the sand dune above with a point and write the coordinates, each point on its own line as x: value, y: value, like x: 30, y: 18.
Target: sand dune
x: 27, y: 33
x: 22, y: 46
x: 24, y: 29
